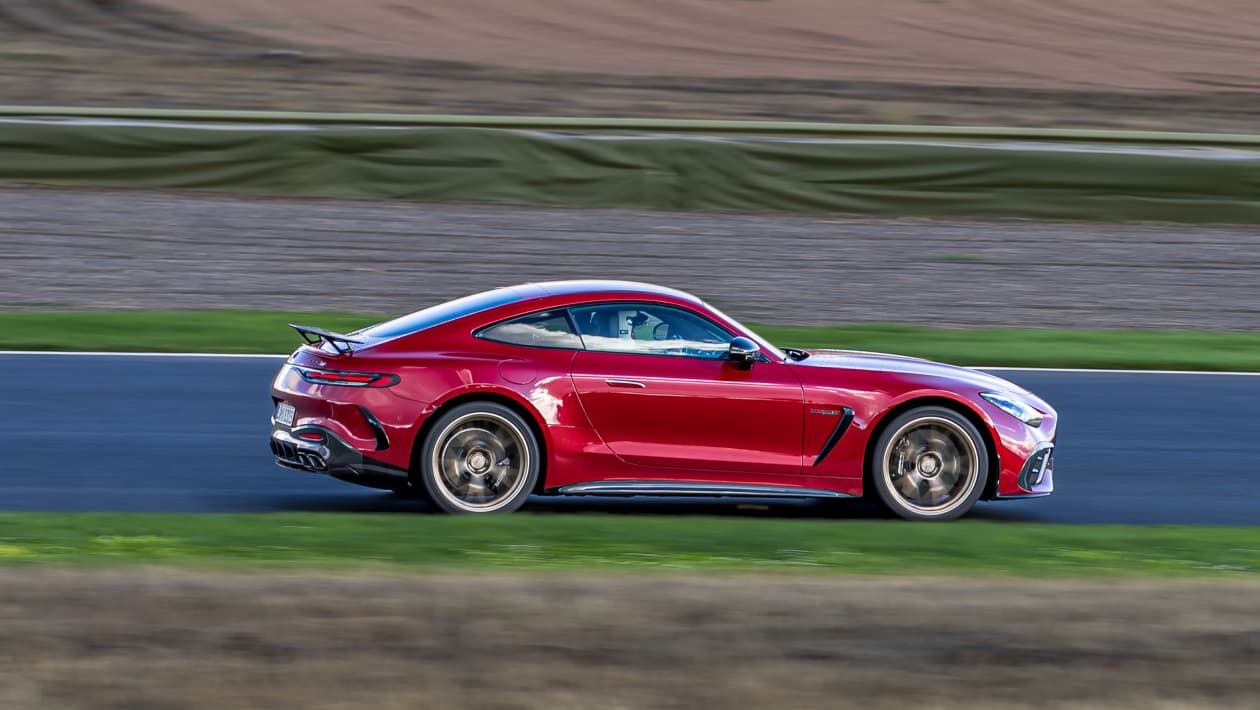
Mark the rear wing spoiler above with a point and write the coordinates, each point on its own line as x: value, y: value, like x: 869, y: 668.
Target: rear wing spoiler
x: 314, y: 336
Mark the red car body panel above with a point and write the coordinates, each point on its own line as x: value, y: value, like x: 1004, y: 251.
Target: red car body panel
x: 678, y: 412
x: 610, y: 416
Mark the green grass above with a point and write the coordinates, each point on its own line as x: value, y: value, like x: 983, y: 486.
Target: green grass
x: 1172, y: 350
x: 585, y: 542
x: 265, y: 332
x: 223, y: 331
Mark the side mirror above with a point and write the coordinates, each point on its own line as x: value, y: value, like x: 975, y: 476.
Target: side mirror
x: 743, y: 353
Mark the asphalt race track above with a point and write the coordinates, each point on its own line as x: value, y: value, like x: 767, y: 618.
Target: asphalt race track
x: 189, y: 434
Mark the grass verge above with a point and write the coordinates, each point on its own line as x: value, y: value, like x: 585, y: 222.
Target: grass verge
x: 631, y: 543
x: 265, y: 332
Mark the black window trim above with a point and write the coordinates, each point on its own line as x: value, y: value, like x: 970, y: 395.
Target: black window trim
x: 480, y: 333
x: 675, y: 306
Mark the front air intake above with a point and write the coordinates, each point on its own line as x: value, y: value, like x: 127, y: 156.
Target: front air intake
x: 1036, y: 469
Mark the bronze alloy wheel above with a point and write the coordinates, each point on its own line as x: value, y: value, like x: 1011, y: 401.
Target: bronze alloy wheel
x: 931, y: 464
x: 480, y: 457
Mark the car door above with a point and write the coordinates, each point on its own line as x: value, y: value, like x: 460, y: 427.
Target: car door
x: 656, y: 389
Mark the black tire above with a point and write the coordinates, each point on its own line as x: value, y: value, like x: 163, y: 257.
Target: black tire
x: 929, y: 463
x: 479, y: 457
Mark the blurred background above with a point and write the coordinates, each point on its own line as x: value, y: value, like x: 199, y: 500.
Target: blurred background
x: 152, y: 556
x: 1155, y: 64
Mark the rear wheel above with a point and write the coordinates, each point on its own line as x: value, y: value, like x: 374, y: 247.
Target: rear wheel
x: 930, y: 463
x: 480, y: 457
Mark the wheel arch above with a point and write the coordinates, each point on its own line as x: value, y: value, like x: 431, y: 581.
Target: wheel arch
x: 931, y: 400
x: 526, y: 412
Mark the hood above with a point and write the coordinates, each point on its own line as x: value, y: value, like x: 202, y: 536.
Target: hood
x: 881, y: 362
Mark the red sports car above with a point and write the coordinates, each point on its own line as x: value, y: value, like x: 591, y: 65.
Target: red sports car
x: 618, y: 388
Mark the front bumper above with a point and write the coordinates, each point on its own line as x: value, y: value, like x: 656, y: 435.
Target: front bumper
x: 1035, y: 477
x: 331, y: 455
x: 1025, y: 454
x: 1038, y: 471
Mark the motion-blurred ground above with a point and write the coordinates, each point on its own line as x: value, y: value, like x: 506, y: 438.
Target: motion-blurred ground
x: 91, y: 250
x: 1133, y: 63
x: 159, y: 639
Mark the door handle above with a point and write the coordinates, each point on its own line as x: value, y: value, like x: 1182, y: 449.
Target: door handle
x: 625, y: 383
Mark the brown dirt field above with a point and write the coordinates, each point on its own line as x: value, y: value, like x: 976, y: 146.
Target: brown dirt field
x: 1140, y: 45
x: 151, y: 638
x: 1174, y: 64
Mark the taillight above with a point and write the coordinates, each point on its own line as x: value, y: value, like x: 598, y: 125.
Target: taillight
x: 347, y: 379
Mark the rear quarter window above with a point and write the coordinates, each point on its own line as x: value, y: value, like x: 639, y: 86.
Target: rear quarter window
x: 547, y: 329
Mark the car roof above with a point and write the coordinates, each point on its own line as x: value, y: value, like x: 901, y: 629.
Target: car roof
x: 512, y: 300
x: 608, y: 287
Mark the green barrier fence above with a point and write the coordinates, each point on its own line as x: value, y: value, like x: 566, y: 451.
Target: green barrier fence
x: 923, y: 174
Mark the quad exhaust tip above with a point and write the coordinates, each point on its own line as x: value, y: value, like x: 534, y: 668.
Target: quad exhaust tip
x: 295, y: 457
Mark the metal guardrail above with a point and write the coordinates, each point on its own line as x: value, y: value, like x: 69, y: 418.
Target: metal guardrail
x: 803, y: 129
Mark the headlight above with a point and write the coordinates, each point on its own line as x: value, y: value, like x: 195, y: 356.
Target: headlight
x: 1013, y: 407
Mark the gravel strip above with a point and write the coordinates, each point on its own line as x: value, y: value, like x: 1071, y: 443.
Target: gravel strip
x: 77, y: 249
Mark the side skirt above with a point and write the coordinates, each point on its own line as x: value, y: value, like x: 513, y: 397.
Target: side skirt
x: 711, y: 490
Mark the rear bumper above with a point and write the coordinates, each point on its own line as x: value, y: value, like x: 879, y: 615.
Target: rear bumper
x: 331, y: 455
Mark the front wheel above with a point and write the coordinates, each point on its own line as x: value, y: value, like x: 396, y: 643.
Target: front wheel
x: 480, y: 457
x: 930, y: 463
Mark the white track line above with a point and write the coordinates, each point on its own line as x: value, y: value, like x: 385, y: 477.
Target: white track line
x: 1082, y: 370
x: 1086, y: 370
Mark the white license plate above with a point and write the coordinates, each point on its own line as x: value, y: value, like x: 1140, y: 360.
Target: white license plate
x: 284, y: 414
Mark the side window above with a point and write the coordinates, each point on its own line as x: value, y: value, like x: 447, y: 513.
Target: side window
x: 547, y: 329
x: 650, y: 329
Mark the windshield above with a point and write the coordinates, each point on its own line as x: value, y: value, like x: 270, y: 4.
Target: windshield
x: 441, y: 313
x: 766, y: 344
